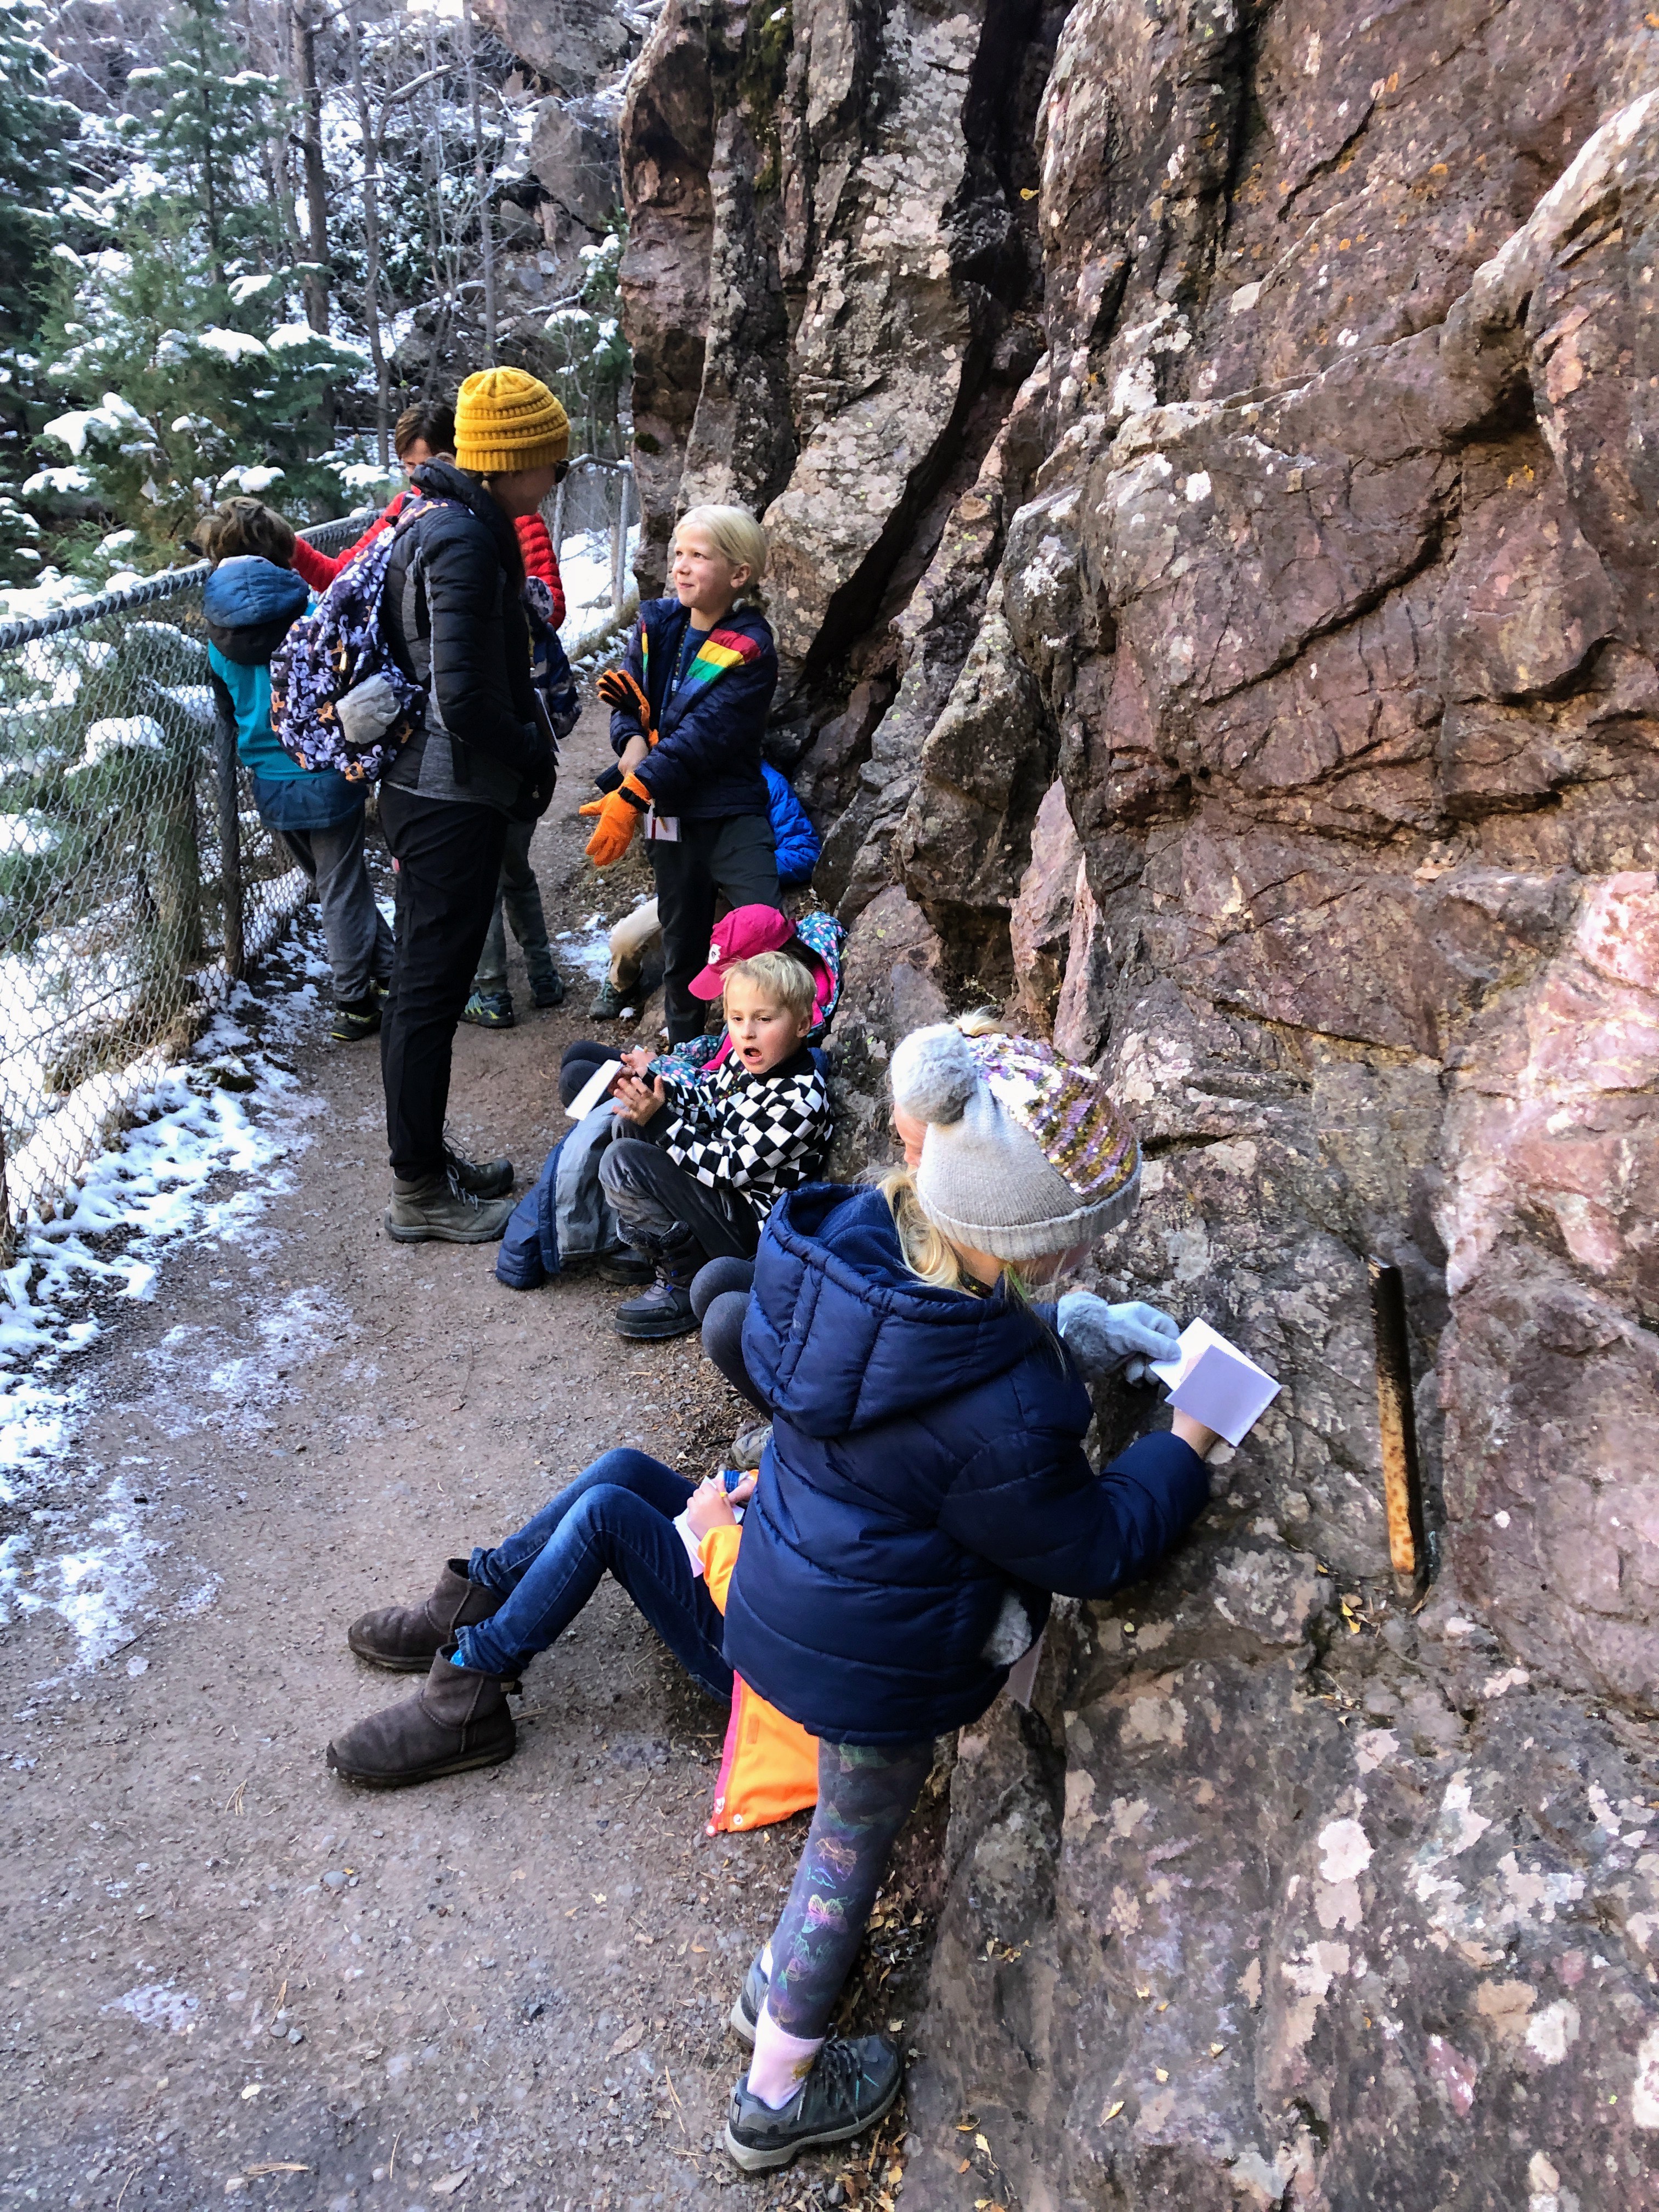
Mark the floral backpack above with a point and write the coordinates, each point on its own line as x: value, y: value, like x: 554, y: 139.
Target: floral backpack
x: 338, y: 698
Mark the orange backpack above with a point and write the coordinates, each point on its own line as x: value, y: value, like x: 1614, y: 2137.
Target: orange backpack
x: 769, y: 1767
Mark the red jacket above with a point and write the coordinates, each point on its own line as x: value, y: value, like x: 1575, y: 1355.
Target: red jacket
x: 318, y: 570
x: 536, y: 549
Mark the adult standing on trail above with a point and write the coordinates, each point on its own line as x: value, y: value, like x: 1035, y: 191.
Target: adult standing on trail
x: 456, y: 625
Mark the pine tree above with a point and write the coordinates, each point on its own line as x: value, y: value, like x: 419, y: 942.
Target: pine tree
x: 175, y: 345
x: 35, y: 129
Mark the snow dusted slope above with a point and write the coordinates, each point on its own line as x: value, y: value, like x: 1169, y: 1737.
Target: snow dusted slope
x: 203, y: 1162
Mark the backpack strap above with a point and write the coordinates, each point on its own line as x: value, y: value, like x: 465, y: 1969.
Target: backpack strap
x: 417, y: 622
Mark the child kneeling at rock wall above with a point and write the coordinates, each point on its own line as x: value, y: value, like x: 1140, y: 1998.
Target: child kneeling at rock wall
x: 924, y: 1491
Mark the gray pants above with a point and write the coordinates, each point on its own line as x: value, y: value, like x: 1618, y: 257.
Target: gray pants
x: 652, y: 1196
x: 354, y: 928
x: 520, y: 895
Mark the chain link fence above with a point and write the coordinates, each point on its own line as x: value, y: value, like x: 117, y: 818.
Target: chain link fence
x: 137, y: 879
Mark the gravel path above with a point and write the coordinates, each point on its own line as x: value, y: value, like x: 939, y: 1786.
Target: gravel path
x: 229, y: 1976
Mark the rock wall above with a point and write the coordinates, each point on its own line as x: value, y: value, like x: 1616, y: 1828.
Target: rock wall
x: 1211, y: 455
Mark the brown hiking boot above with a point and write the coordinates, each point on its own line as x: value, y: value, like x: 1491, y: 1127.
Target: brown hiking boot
x: 441, y: 1208
x: 406, y: 1639
x: 458, y: 1720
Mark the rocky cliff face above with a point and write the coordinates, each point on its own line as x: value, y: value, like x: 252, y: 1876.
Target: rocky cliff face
x: 1212, y: 452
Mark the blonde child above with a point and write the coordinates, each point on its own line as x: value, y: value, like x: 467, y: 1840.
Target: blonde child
x: 924, y: 1490
x: 698, y: 1169
x: 691, y: 702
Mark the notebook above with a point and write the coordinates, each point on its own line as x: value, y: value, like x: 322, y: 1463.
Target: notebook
x: 1216, y: 1382
x: 593, y: 1089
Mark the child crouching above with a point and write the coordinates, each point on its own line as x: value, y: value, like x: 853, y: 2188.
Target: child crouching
x: 696, y: 1176
x: 924, y: 1490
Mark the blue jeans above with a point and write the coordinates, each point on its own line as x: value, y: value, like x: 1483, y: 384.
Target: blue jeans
x: 618, y: 1514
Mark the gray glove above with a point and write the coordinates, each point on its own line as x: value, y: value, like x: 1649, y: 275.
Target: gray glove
x: 1106, y: 1339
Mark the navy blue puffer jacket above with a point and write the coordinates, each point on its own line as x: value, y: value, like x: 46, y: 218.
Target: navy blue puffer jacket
x: 925, y: 1463
x: 706, y: 763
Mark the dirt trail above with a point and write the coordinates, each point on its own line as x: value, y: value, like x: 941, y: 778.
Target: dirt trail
x: 227, y: 1974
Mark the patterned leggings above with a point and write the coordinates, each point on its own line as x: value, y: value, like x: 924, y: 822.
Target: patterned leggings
x: 866, y: 1794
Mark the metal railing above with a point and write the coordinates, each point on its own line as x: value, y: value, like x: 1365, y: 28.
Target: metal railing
x: 137, y: 879
x: 597, y: 494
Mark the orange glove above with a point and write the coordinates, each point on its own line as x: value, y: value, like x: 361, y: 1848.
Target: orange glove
x: 616, y: 688
x: 619, y: 813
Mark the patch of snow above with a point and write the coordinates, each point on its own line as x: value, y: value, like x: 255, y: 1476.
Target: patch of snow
x: 78, y: 1546
x: 584, y: 569
x: 253, y: 480
x: 230, y: 345
x: 589, y: 947
x: 121, y: 733
x: 159, y: 2004
x: 27, y: 834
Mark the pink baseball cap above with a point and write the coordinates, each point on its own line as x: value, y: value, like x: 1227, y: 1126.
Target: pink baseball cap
x: 740, y: 935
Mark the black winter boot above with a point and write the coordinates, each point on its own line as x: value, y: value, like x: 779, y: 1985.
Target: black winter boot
x: 664, y: 1310
x: 457, y: 1721
x: 406, y: 1639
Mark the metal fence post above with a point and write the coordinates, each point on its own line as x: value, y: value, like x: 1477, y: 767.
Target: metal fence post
x: 229, y: 794
x: 619, y: 542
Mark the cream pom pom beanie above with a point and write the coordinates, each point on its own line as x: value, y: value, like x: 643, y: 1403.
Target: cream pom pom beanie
x: 1025, y: 1154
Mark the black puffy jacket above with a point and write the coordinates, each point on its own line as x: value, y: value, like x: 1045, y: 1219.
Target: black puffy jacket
x: 460, y: 632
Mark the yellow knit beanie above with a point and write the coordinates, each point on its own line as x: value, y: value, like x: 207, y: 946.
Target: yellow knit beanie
x: 507, y: 419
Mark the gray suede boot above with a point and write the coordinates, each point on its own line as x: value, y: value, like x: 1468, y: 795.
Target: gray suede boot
x: 406, y: 1639
x: 459, y: 1720
x: 440, y: 1208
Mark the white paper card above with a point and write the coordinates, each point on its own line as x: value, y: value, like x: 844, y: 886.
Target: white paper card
x: 593, y: 1089
x: 1216, y: 1382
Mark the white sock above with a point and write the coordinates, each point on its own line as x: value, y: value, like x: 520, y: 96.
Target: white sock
x: 781, y: 2063
x: 766, y: 1961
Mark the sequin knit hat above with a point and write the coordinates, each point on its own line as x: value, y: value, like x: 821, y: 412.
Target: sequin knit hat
x: 1025, y: 1154
x: 505, y: 420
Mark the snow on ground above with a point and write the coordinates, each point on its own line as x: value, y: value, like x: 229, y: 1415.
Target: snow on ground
x: 73, y: 1542
x: 588, y: 946
x: 585, y: 570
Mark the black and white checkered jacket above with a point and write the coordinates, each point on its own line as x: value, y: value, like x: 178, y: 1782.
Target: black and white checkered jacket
x: 755, y: 1135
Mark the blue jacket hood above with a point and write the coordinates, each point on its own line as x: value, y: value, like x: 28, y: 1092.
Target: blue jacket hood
x: 841, y: 1335
x: 925, y: 1486
x: 247, y: 591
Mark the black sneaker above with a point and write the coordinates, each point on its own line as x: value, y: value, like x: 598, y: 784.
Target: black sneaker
x: 491, y: 1010
x: 609, y: 1003
x: 479, y: 1178
x: 853, y: 2083
x: 356, y: 1021
x: 663, y: 1311
x: 548, y: 990
x: 746, y: 2005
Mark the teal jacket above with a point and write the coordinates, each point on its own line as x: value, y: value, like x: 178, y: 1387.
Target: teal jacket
x: 250, y: 606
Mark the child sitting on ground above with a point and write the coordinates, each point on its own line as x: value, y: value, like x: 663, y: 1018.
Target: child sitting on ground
x: 491, y: 1613
x: 695, y: 1177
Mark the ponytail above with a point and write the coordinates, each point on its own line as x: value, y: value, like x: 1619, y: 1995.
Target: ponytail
x: 929, y: 1252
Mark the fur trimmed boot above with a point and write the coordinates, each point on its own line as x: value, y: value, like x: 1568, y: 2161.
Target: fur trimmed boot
x: 406, y: 1639
x: 458, y: 1720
